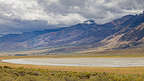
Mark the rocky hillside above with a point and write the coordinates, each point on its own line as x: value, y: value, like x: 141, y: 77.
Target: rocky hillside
x: 125, y: 32
x: 82, y: 34
x: 125, y: 38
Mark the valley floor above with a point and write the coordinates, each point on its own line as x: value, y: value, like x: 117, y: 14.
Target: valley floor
x: 22, y: 72
x: 121, y: 70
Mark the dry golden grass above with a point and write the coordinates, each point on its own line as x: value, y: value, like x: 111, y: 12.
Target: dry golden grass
x: 134, y: 52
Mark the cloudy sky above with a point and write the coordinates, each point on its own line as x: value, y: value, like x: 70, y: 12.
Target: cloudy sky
x: 28, y: 15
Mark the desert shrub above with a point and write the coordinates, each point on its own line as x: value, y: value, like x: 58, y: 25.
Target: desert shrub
x: 22, y: 74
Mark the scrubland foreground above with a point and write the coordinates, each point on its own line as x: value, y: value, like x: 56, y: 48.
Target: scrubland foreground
x: 22, y: 74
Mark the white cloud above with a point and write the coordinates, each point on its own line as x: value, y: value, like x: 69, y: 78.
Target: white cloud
x: 64, y: 12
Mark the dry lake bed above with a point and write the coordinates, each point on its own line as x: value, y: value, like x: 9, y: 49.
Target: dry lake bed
x: 92, y: 62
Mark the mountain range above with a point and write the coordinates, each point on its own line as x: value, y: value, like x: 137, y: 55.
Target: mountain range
x: 125, y: 32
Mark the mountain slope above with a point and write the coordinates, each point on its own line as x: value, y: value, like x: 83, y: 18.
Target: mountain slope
x: 77, y: 35
x: 116, y: 34
x: 125, y: 39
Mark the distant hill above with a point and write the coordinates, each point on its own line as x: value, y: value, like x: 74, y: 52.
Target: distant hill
x: 125, y: 32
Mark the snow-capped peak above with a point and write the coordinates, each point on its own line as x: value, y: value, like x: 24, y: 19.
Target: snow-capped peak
x: 89, y: 22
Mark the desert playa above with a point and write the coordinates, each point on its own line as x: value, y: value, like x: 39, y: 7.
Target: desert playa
x: 91, y: 62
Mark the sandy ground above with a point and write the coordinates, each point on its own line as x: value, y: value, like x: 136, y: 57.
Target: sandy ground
x: 93, y: 62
